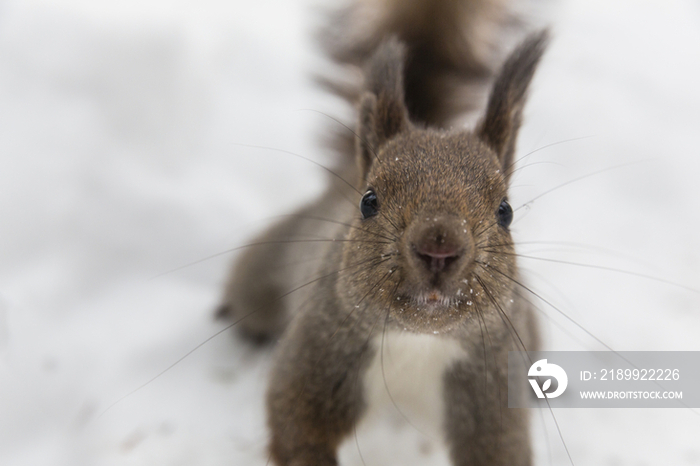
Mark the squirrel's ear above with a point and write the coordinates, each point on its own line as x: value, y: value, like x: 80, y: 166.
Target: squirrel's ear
x: 383, y: 112
x: 499, y: 126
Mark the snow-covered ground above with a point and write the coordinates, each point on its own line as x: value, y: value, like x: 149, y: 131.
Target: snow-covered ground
x: 118, y: 161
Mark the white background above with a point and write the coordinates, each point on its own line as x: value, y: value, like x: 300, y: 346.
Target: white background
x: 118, y: 161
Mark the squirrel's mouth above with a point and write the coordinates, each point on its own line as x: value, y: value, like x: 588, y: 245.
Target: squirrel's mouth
x: 429, y: 311
x: 433, y: 298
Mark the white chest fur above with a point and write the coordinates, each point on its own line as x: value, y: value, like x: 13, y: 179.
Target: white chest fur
x: 405, y: 378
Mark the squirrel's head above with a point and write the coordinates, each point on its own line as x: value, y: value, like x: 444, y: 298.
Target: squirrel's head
x: 434, y: 218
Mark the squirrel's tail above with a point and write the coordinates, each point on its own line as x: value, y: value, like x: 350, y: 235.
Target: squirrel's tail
x: 449, y: 44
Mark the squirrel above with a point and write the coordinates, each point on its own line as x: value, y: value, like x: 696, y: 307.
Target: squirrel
x: 412, y: 257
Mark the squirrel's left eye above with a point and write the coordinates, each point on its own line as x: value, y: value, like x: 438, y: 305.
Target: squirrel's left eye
x: 368, y: 205
x: 505, y: 214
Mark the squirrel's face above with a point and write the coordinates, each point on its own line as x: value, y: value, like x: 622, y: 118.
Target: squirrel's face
x: 432, y: 237
x: 433, y: 219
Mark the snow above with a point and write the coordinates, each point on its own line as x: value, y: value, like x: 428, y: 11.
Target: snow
x: 120, y: 131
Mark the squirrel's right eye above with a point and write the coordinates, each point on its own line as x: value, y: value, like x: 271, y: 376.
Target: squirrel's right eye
x: 368, y: 205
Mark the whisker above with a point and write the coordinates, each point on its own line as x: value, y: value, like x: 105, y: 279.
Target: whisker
x: 296, y: 262
x: 532, y: 165
x: 550, y: 319
x: 386, y: 386
x: 525, y: 354
x: 376, y: 286
x: 254, y: 146
x: 488, y: 267
x: 479, y: 318
x: 483, y: 230
x: 600, y: 267
x: 583, y: 177
x: 357, y: 374
x: 389, y: 236
x: 501, y: 311
x: 337, y: 222
x: 547, y: 146
x: 588, y: 247
x: 495, y: 269
x: 342, y: 324
x: 549, y: 191
x: 396, y: 228
x: 346, y: 127
x: 546, y: 436
x: 228, y: 327
x: 495, y: 361
x: 261, y: 243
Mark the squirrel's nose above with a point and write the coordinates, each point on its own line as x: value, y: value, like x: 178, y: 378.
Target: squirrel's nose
x: 436, y: 257
x: 439, y: 244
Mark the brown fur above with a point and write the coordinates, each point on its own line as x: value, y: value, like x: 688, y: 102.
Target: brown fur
x: 425, y: 263
x: 450, y: 48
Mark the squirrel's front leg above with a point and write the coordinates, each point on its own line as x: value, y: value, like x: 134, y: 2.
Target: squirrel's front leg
x: 315, y: 392
x: 481, y: 429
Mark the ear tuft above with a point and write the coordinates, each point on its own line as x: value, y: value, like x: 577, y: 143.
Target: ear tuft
x: 383, y: 111
x: 367, y: 142
x: 386, y: 81
x: 499, y: 126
